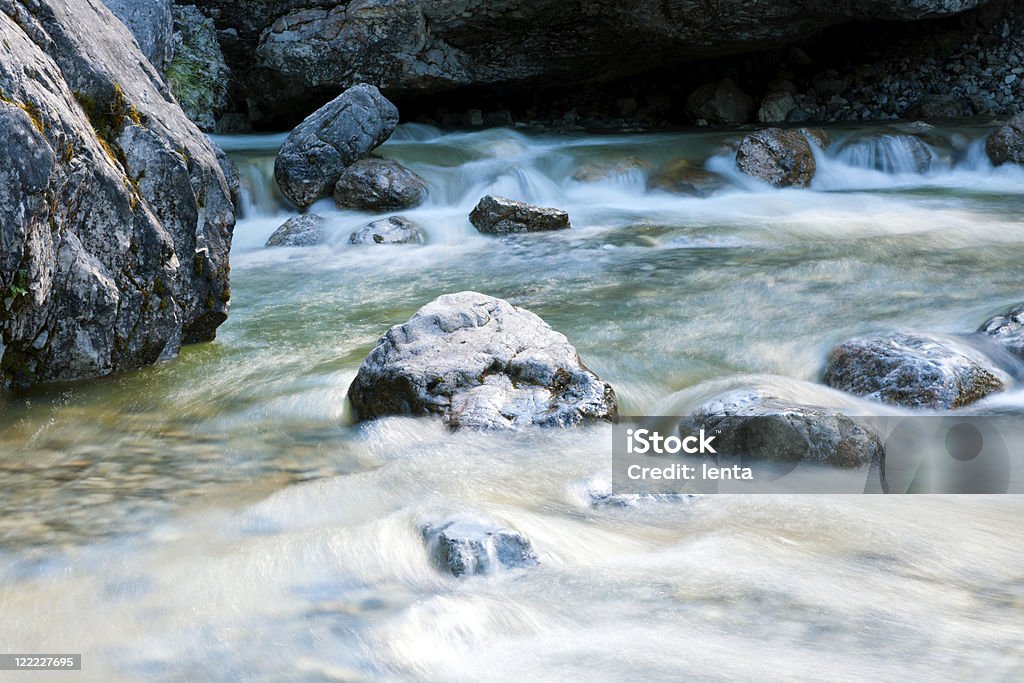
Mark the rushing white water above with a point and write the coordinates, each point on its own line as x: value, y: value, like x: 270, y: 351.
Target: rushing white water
x: 218, y: 519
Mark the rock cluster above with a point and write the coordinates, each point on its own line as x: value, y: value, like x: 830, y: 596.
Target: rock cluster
x: 479, y: 362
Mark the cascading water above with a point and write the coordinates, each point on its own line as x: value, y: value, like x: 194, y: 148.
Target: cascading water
x: 218, y: 519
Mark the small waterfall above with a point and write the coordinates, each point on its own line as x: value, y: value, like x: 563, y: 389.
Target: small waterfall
x: 887, y: 153
x: 259, y: 194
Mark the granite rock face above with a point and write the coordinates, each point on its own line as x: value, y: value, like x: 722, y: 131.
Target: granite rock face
x: 479, y: 362
x: 152, y: 24
x: 501, y: 216
x: 334, y: 137
x: 913, y: 370
x: 197, y: 73
x: 115, y: 215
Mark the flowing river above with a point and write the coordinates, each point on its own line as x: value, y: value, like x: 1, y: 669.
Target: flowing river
x: 218, y: 518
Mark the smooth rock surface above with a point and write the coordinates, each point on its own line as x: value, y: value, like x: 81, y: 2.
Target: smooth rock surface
x: 466, y: 546
x: 1006, y: 144
x: 782, y: 158
x: 1007, y: 329
x: 152, y: 24
x: 500, y: 216
x: 379, y: 185
x: 913, y: 370
x: 753, y: 426
x: 345, y: 130
x: 391, y: 230
x: 115, y: 216
x: 306, y: 230
x: 479, y: 362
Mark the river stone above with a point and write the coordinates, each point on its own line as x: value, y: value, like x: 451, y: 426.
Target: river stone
x: 720, y: 103
x: 913, y: 370
x: 152, y: 24
x: 115, y: 216
x: 465, y: 546
x: 782, y: 158
x: 481, y: 363
x: 499, y: 216
x: 391, y: 230
x: 306, y: 230
x: 1007, y: 329
x: 1006, y: 144
x: 332, y: 138
x: 771, y: 429
x: 682, y: 177
x: 379, y: 185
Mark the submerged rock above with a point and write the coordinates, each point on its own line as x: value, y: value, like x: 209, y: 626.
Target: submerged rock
x: 499, y: 216
x: 379, y: 185
x: 782, y: 158
x: 479, y: 362
x: 306, y: 230
x: 720, y: 103
x: 682, y: 177
x: 889, y: 153
x: 596, y: 171
x: 1006, y: 144
x: 468, y: 547
x: 391, y: 230
x: 197, y: 73
x: 115, y: 216
x: 764, y: 428
x: 343, y: 131
x: 913, y: 370
x: 1007, y: 329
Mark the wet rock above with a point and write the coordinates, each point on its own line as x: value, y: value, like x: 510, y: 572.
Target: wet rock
x: 306, y: 230
x: 682, y: 177
x: 753, y: 426
x: 775, y: 107
x: 1007, y: 329
x: 391, y: 230
x: 782, y: 158
x: 197, y: 74
x: 499, y: 216
x: 466, y: 546
x: 379, y: 185
x: 152, y: 24
x: 720, y: 103
x: 479, y: 362
x: 343, y: 131
x: 1006, y: 144
x: 230, y: 171
x: 115, y: 216
x: 598, y: 171
x: 913, y: 370
x: 817, y: 136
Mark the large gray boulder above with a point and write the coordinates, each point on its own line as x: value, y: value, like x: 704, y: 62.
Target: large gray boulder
x: 115, y: 216
x: 501, y: 216
x: 479, y: 362
x: 375, y: 184
x: 292, y: 51
x: 466, y: 546
x: 750, y: 425
x: 720, y: 103
x: 1007, y: 329
x: 1006, y: 144
x: 197, y: 73
x: 343, y: 131
x: 913, y: 370
x: 390, y: 230
x: 152, y: 24
x: 782, y: 158
x: 306, y: 230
